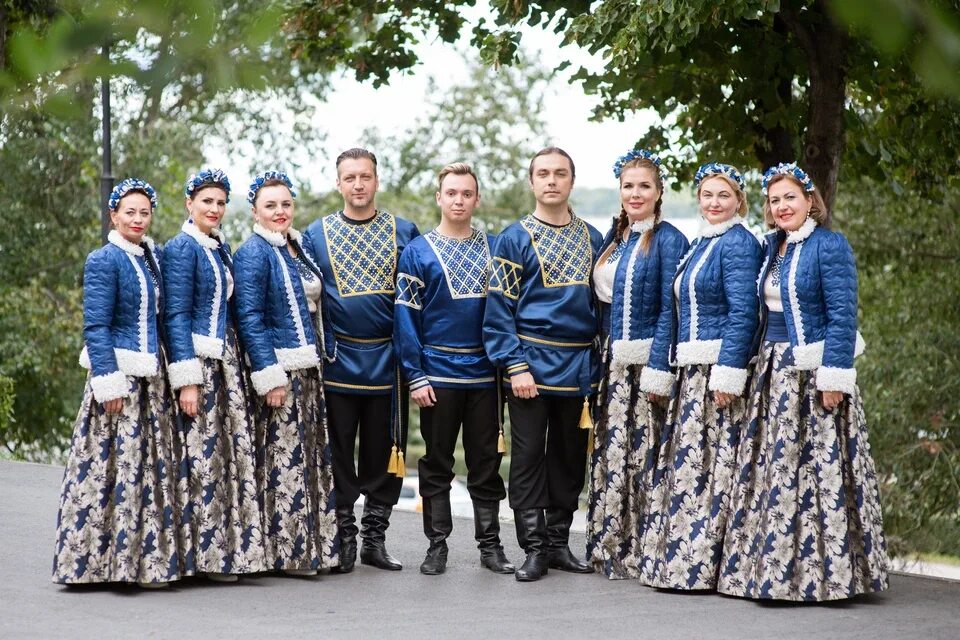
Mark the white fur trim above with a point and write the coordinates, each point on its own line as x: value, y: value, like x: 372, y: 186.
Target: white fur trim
x: 184, y: 373
x: 803, y: 232
x: 727, y: 379
x: 298, y: 357
x: 116, y: 239
x: 708, y: 230
x: 837, y: 379
x: 131, y: 363
x: 268, y: 379
x: 110, y: 386
x: 631, y: 351
x: 202, y: 239
x: 698, y: 352
x: 207, y: 346
x: 656, y: 381
x: 809, y: 356
x: 642, y: 226
x: 275, y: 238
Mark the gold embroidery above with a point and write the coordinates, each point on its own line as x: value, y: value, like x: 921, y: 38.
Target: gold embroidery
x: 506, y: 277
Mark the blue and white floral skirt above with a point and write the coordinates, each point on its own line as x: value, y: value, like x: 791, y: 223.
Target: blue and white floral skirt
x: 118, y: 517
x: 621, y: 475
x: 806, y: 521
x: 221, y: 525
x: 690, y: 499
x: 295, y: 476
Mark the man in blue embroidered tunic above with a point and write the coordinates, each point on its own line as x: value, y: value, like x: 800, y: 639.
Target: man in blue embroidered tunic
x: 438, y: 325
x: 540, y: 326
x: 357, y: 249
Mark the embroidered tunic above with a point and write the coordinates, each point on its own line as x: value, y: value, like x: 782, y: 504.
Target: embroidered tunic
x: 441, y: 296
x: 359, y: 264
x: 540, y: 315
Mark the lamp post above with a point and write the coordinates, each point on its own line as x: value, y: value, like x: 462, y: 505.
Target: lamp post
x: 106, y: 175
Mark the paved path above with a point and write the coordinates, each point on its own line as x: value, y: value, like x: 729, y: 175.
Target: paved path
x: 466, y: 602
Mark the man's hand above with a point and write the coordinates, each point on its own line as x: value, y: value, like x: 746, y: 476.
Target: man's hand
x: 524, y: 385
x: 424, y: 396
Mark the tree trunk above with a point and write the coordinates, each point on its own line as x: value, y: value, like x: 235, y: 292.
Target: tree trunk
x: 776, y: 144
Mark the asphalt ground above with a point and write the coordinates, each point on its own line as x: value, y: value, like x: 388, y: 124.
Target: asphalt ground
x: 466, y: 602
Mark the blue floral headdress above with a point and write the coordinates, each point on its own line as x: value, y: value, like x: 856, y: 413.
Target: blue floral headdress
x: 634, y: 154
x: 718, y: 169
x: 207, y: 176
x: 787, y: 169
x: 128, y: 185
x: 268, y: 175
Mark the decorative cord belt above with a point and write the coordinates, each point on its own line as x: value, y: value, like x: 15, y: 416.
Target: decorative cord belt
x: 437, y: 347
x: 346, y: 338
x: 555, y: 343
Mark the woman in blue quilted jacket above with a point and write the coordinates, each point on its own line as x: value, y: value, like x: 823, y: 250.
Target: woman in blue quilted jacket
x: 633, y: 276
x: 118, y: 513
x: 806, y: 521
x: 713, y: 297
x: 221, y: 521
x: 285, y: 335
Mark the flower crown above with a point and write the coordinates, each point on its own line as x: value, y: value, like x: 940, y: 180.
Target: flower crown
x: 128, y: 185
x: 268, y: 175
x: 634, y: 154
x: 718, y: 169
x: 787, y: 169
x: 207, y: 176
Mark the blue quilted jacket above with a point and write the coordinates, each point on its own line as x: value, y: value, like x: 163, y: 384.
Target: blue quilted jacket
x: 195, y: 302
x: 120, y: 307
x: 818, y: 290
x: 718, y: 304
x: 274, y: 321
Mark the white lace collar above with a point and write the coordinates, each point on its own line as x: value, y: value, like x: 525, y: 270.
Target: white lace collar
x: 708, y: 230
x: 276, y: 238
x: 803, y: 232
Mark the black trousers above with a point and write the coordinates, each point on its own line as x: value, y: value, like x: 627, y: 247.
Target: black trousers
x: 369, y: 416
x: 476, y: 410
x: 549, y: 452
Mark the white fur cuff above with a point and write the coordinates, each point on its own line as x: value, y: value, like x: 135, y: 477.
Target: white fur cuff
x: 185, y: 372
x: 656, y: 381
x: 268, y: 379
x: 836, y: 379
x: 727, y: 379
x: 298, y: 357
x: 698, y: 352
x: 807, y: 357
x: 110, y: 386
x: 631, y: 351
x: 132, y: 363
x: 207, y: 346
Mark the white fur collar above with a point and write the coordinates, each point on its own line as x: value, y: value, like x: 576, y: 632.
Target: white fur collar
x: 803, y: 232
x: 115, y: 238
x: 642, y: 226
x: 276, y: 238
x: 708, y: 230
x: 203, y: 239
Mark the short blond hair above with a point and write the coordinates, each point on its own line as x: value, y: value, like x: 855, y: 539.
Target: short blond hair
x: 457, y: 169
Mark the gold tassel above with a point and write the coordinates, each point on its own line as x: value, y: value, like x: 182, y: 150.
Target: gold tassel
x: 401, y: 465
x: 585, y: 421
x: 501, y: 444
x: 590, y: 443
x: 392, y: 465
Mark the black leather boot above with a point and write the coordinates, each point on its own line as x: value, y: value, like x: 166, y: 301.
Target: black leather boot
x: 437, y: 525
x: 347, y: 526
x: 374, y: 523
x: 558, y: 535
x: 486, y: 517
x: 532, y: 535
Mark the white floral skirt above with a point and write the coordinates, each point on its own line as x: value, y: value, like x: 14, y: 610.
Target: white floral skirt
x: 621, y: 473
x: 118, y: 517
x: 806, y: 521
x: 690, y: 498
x: 295, y: 477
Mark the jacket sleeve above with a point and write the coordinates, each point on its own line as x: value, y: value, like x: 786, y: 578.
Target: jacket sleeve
x: 100, y: 288
x: 740, y: 262
x: 499, y: 319
x: 838, y: 280
x: 179, y: 278
x: 658, y: 377
x: 251, y: 289
x: 407, y: 321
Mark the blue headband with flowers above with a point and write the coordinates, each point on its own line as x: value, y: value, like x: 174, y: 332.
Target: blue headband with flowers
x: 128, y: 185
x: 208, y: 176
x: 787, y: 169
x: 635, y: 154
x: 258, y: 181
x: 718, y: 169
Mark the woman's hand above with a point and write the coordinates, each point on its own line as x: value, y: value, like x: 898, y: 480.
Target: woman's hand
x: 524, y: 386
x: 424, y: 396
x: 275, y: 397
x: 830, y: 399
x: 657, y: 398
x: 723, y: 400
x: 113, y: 406
x: 190, y: 400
